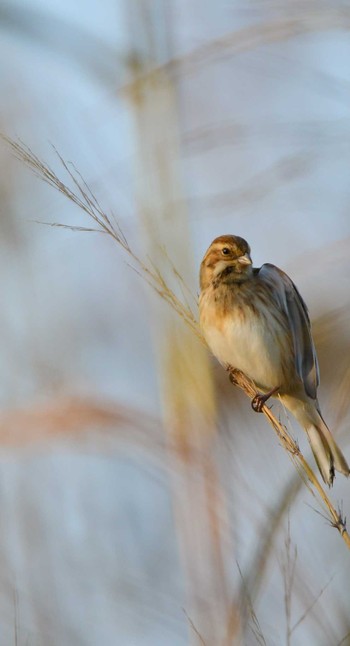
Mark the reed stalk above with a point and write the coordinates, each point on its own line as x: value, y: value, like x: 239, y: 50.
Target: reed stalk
x: 81, y: 195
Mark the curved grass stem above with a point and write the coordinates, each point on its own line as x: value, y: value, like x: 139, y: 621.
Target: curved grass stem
x: 334, y: 517
x: 79, y: 192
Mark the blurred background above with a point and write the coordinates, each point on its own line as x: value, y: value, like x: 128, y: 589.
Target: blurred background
x: 143, y: 503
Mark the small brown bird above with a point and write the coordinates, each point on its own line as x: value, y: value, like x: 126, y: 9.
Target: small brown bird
x: 256, y: 321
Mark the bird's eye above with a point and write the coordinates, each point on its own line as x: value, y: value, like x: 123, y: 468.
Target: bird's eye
x: 225, y: 251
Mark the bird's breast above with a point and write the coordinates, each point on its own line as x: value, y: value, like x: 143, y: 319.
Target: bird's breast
x: 242, y: 332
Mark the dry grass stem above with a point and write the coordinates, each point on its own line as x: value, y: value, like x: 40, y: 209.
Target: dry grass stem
x: 259, y: 562
x: 310, y: 607
x: 241, y: 40
x: 333, y: 516
x: 288, y: 571
x: 16, y: 617
x: 255, y: 625
x: 345, y: 640
x: 193, y: 627
x: 82, y: 196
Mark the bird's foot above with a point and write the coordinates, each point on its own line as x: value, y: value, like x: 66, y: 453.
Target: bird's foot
x: 260, y: 400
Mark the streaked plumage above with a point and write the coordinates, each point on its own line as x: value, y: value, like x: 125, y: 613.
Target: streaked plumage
x: 256, y: 321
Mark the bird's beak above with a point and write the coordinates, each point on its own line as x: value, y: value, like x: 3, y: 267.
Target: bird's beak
x: 245, y: 260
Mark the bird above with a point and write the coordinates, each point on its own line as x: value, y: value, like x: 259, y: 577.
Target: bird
x: 255, y: 320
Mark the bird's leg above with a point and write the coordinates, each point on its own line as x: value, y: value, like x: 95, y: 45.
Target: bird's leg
x: 259, y: 400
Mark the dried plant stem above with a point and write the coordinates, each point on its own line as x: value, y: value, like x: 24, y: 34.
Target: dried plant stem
x: 242, y: 40
x: 82, y: 196
x: 288, y: 443
x: 288, y: 571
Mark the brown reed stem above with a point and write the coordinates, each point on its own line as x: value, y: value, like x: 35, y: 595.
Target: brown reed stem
x: 82, y: 196
x: 288, y: 443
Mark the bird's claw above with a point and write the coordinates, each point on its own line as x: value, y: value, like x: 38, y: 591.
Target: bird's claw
x: 258, y: 402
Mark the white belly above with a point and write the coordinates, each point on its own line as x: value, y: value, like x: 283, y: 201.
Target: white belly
x: 250, y: 346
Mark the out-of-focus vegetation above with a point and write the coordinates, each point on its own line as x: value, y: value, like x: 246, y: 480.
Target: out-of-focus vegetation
x: 142, y: 500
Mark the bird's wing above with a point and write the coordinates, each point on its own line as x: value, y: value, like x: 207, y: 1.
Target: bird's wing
x: 293, y: 305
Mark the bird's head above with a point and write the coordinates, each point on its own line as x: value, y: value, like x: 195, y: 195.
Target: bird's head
x: 227, y: 260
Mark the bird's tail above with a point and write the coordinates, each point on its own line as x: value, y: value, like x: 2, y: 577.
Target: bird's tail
x: 326, y: 452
